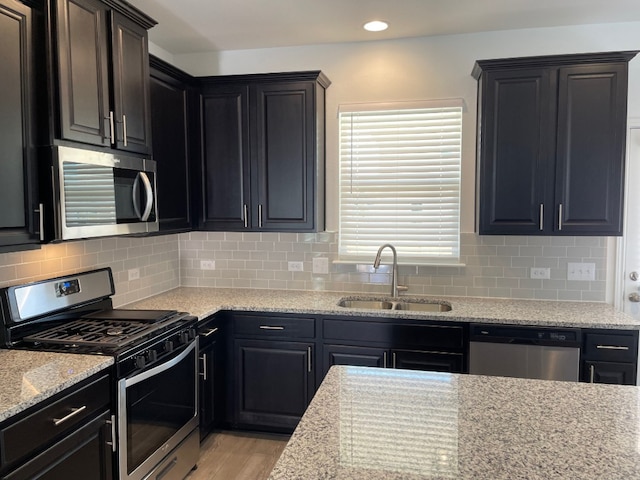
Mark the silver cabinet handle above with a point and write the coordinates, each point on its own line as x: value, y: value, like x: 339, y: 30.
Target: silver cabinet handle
x: 112, y: 443
x: 210, y: 332
x: 592, y: 373
x: 40, y: 211
x: 309, y: 359
x: 542, y: 216
x: 611, y: 347
x: 260, y: 215
x: 124, y: 129
x: 112, y: 128
x: 246, y: 216
x: 270, y: 327
x: 560, y: 217
x: 74, y: 412
x: 204, y: 366
x: 384, y: 359
x: 393, y: 357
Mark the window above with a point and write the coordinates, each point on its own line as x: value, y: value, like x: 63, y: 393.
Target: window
x: 400, y: 181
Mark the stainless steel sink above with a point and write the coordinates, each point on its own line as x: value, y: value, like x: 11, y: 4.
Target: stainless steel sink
x: 370, y: 304
x: 404, y: 304
x: 423, y: 307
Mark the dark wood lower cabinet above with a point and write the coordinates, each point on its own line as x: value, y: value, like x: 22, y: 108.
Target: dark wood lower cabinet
x: 274, y: 383
x: 609, y: 372
x: 350, y: 355
x: 81, y: 455
x: 428, y: 361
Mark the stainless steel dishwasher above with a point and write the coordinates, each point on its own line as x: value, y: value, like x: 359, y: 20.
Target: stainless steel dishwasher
x: 525, y: 352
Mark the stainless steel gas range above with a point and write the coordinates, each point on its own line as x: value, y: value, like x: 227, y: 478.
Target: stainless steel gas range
x: 155, y: 389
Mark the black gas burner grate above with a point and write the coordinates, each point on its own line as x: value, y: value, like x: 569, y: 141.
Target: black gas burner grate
x: 99, y: 333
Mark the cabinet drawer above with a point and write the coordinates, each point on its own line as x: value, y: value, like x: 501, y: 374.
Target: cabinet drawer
x: 63, y: 415
x: 276, y: 326
x: 439, y: 336
x: 611, y: 347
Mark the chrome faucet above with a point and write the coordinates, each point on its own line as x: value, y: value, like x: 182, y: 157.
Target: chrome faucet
x: 394, y: 273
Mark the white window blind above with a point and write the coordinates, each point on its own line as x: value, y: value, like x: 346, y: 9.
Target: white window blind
x: 400, y: 180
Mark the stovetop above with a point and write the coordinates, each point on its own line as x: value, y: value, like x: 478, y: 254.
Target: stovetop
x: 106, y: 331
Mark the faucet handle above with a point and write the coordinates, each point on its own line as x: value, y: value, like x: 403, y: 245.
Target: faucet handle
x: 403, y: 288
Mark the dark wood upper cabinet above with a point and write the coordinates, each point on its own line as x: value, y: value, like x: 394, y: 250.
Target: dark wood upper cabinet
x: 100, y: 56
x: 551, y: 143
x: 263, y: 152
x: 174, y: 104
x: 18, y: 106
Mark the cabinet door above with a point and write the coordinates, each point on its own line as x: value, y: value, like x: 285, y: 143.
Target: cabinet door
x: 171, y: 125
x: 226, y: 179
x: 429, y: 361
x: 130, y: 58
x: 274, y: 383
x: 17, y: 114
x: 350, y: 355
x: 592, y: 106
x: 609, y: 372
x: 82, y: 49
x: 516, y: 147
x: 284, y: 156
x: 84, y: 454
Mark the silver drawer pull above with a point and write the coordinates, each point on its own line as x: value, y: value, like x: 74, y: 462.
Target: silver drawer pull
x: 269, y: 327
x: 74, y: 412
x: 611, y: 347
x: 210, y: 332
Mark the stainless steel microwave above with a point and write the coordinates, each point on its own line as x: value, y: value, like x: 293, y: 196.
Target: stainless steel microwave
x: 100, y: 194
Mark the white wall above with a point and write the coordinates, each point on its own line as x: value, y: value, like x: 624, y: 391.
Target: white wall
x: 418, y: 68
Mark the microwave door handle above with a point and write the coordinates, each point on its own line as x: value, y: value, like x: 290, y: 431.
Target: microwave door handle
x: 149, y: 194
x: 135, y: 195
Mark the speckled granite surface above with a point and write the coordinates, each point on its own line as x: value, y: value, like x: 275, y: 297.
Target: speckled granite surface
x: 374, y: 424
x: 30, y: 377
x: 203, y: 302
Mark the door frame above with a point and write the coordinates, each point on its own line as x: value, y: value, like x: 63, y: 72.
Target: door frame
x: 616, y: 257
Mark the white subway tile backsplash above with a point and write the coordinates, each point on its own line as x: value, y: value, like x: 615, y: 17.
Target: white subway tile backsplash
x: 495, y: 266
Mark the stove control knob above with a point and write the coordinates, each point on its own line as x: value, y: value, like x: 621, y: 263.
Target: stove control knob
x: 168, y: 346
x: 152, y: 356
x: 192, y: 333
x: 140, y: 361
x: 183, y: 338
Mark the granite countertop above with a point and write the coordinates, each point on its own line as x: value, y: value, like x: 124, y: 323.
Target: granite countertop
x: 29, y: 377
x: 370, y: 423
x: 204, y: 302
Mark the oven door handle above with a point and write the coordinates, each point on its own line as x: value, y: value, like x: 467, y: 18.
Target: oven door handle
x: 160, y: 368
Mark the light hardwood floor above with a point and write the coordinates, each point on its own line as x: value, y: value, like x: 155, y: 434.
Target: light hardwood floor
x: 238, y: 456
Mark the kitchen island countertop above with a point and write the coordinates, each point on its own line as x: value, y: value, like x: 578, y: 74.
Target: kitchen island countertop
x: 374, y: 424
x: 203, y: 302
x: 29, y: 377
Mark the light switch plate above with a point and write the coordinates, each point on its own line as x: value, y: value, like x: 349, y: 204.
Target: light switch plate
x: 581, y: 271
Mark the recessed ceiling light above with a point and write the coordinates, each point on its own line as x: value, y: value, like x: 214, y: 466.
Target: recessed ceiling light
x: 376, y: 26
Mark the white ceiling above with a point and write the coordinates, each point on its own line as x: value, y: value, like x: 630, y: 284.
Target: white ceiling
x: 190, y: 26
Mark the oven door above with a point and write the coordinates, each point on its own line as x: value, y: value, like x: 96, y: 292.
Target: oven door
x: 157, y: 409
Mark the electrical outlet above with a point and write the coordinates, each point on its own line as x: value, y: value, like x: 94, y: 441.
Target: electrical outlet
x: 207, y: 264
x: 295, y: 266
x: 581, y: 271
x: 133, y: 273
x: 540, y: 273
x: 321, y: 265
